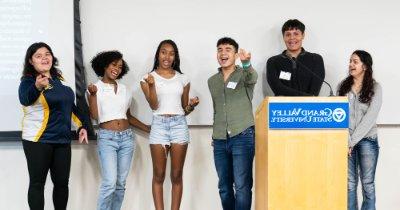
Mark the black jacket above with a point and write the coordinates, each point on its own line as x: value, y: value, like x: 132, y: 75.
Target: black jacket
x: 301, y: 82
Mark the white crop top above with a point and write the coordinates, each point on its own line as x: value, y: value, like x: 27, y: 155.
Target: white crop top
x: 111, y: 105
x: 169, y: 93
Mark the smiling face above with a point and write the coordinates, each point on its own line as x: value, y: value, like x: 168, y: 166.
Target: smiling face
x: 293, y: 39
x: 166, y: 56
x: 42, y: 60
x: 356, y: 67
x: 113, y: 70
x: 226, y: 55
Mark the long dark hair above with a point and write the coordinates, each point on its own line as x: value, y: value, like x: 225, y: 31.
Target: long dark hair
x: 177, y: 61
x: 29, y: 70
x: 367, y: 90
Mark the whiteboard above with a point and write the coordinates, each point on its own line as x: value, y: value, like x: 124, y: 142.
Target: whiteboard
x: 23, y: 22
x: 334, y: 29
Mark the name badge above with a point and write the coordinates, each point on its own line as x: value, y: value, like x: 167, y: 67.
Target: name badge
x: 285, y: 75
x: 231, y: 85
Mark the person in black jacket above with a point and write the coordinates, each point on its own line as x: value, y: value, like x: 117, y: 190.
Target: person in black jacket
x: 289, y: 73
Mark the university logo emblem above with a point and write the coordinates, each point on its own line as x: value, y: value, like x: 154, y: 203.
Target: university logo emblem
x: 321, y: 115
x: 339, y: 115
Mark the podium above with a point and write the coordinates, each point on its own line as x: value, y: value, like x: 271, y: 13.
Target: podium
x: 301, y: 153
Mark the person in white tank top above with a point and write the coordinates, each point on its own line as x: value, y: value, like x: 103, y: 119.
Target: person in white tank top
x: 109, y: 102
x: 167, y: 91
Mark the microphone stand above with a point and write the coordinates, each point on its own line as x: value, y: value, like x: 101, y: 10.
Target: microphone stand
x: 314, y: 74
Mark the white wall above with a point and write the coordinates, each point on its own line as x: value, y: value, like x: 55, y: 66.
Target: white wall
x: 200, y: 179
x: 334, y: 29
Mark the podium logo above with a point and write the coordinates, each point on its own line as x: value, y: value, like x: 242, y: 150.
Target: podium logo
x: 308, y: 115
x: 339, y: 115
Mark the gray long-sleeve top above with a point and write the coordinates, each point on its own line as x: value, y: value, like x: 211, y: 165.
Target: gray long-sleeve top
x: 363, y: 116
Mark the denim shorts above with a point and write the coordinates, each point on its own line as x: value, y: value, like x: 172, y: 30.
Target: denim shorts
x: 167, y: 130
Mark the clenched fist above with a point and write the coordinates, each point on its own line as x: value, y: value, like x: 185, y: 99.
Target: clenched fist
x: 244, y: 56
x: 149, y: 80
x: 92, y: 89
x: 194, y: 101
x: 41, y: 82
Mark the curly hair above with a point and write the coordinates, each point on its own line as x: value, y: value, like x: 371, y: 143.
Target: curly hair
x: 29, y: 70
x: 367, y: 90
x: 177, y: 61
x: 101, y: 61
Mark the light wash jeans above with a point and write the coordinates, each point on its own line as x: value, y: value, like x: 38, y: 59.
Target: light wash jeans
x: 115, y: 149
x: 364, y: 158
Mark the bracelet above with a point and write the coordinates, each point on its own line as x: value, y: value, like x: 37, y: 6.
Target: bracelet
x: 246, y: 64
x: 189, y: 108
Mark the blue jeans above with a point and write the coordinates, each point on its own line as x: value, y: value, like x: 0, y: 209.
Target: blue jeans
x: 364, y: 158
x: 233, y: 160
x: 115, y: 149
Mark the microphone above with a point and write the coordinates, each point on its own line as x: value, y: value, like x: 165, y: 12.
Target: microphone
x: 314, y: 74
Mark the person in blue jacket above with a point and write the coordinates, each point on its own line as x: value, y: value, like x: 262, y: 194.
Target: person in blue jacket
x: 49, y: 108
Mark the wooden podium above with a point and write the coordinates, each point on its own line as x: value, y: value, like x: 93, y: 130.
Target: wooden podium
x: 300, y: 169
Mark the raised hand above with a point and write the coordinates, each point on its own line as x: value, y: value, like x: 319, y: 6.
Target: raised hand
x: 149, y: 80
x: 244, y: 56
x: 92, y: 89
x: 193, y: 102
x: 41, y: 82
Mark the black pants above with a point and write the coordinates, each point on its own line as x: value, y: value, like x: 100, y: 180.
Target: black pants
x: 40, y: 158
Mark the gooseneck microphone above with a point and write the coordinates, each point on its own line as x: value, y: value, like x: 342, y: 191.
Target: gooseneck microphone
x: 295, y: 61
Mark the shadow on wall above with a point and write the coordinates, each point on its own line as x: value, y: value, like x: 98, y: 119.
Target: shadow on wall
x: 275, y: 45
x: 266, y: 89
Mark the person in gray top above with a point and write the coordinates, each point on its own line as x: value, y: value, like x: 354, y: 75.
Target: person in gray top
x: 365, y: 100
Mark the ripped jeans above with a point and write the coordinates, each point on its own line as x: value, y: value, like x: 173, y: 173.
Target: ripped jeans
x: 364, y: 158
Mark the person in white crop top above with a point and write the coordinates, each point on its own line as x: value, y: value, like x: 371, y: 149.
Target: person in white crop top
x: 109, y: 103
x: 167, y: 92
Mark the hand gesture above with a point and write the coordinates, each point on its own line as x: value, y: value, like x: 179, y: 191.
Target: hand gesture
x: 194, y: 101
x: 149, y: 80
x: 41, y: 82
x: 83, y: 136
x: 244, y: 56
x: 92, y: 89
